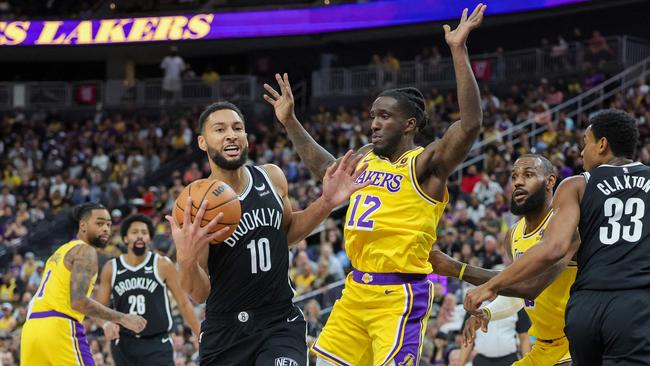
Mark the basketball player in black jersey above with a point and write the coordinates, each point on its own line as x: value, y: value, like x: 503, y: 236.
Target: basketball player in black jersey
x: 137, y: 283
x: 608, y: 314
x: 250, y: 318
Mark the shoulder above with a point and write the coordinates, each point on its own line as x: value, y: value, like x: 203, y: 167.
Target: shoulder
x: 573, y: 184
x: 165, y: 265
x: 277, y: 176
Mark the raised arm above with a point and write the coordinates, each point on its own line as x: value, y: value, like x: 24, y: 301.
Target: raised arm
x: 83, y: 267
x: 441, y: 157
x: 170, y: 276
x: 192, y: 248
x: 557, y: 245
x: 312, y: 154
x: 338, y: 185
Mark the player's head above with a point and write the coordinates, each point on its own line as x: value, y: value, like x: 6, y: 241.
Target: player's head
x: 397, y: 114
x: 137, y: 232
x: 223, y: 135
x: 533, y: 178
x: 94, y: 223
x: 611, y: 133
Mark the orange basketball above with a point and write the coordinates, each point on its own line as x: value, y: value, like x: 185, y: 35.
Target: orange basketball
x: 220, y: 197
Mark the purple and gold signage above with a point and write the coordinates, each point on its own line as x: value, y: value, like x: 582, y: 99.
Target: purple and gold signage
x: 268, y: 23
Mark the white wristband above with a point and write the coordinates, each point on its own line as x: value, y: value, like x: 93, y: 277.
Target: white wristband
x: 503, y: 307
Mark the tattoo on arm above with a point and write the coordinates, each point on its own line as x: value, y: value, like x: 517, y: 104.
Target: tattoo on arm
x: 84, y: 267
x: 315, y: 156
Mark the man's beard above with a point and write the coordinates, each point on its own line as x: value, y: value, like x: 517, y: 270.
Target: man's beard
x: 389, y: 146
x: 533, y: 202
x: 98, y: 243
x: 139, y: 251
x: 223, y: 163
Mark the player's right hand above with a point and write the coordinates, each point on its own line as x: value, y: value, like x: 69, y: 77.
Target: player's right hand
x: 190, y: 238
x: 111, y: 331
x: 471, y: 325
x: 443, y: 264
x: 136, y: 323
x: 283, y: 102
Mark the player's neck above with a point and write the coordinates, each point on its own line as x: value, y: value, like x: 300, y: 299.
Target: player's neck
x: 404, y: 147
x: 534, y: 219
x: 237, y: 179
x: 134, y: 260
x: 617, y: 160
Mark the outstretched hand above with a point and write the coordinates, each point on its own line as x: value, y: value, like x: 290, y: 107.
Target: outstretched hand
x: 476, y: 296
x: 458, y: 36
x: 339, y: 180
x: 283, y: 102
x: 190, y: 238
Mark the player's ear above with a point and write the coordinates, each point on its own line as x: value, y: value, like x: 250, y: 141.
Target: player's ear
x: 202, y: 144
x: 603, y: 145
x: 550, y: 181
x: 411, y: 125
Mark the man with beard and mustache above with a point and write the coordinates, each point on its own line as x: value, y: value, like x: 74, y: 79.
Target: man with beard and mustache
x: 533, y: 179
x: 53, y: 333
x: 137, y: 283
x: 249, y: 315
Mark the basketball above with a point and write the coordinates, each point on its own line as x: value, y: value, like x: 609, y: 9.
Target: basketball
x: 220, y: 197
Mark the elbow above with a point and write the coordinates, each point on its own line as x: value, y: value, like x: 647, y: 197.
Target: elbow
x: 198, y: 298
x: 554, y: 253
x: 79, y: 304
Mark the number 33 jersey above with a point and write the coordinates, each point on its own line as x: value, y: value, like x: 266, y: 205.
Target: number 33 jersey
x: 391, y: 224
x: 614, y: 228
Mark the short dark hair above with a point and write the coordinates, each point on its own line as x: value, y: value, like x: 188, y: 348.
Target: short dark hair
x: 411, y: 104
x: 547, y: 166
x: 82, y: 211
x: 126, y: 224
x: 217, y: 107
x: 620, y: 130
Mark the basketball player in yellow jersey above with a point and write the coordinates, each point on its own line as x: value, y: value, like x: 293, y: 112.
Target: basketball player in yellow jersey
x: 391, y: 225
x: 53, y: 333
x: 533, y: 179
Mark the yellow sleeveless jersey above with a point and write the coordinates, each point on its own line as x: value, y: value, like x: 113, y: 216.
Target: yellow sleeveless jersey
x: 546, y: 312
x: 54, y: 291
x: 390, y: 225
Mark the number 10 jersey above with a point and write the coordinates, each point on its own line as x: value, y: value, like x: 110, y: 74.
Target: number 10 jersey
x: 390, y: 225
x: 614, y: 228
x: 249, y: 270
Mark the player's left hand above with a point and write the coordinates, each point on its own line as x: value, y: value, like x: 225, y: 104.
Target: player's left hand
x: 476, y: 296
x: 458, y: 36
x: 339, y: 180
x: 111, y: 331
x: 283, y: 102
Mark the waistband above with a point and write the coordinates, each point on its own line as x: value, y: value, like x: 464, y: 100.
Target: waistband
x: 370, y: 278
x: 242, y: 316
x: 50, y: 313
x: 550, y: 340
x: 137, y: 336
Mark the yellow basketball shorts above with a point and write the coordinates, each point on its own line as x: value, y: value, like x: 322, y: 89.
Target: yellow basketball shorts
x: 547, y: 353
x: 380, y: 317
x: 53, y: 338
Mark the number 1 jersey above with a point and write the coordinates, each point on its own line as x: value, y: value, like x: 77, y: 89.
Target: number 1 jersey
x: 614, y: 229
x: 249, y: 270
x: 391, y: 224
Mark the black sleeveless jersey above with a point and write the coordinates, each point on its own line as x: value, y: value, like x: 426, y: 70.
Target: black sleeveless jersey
x: 249, y: 270
x: 140, y: 290
x: 615, y: 229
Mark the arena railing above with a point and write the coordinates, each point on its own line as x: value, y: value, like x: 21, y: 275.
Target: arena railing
x: 588, y: 101
x: 111, y: 93
x: 497, y: 68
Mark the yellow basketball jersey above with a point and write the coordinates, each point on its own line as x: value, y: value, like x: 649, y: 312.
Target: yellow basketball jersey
x: 546, y: 312
x: 391, y: 224
x: 54, y: 291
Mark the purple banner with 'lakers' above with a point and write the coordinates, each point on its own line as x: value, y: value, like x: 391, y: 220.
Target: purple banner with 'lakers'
x: 268, y: 23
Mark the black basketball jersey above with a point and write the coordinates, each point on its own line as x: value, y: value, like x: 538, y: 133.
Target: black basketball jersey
x: 249, y: 270
x: 140, y: 290
x: 615, y: 229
